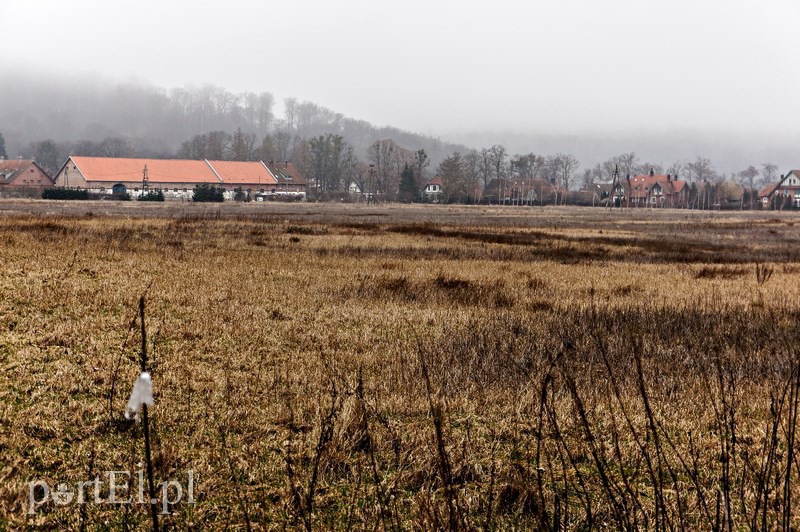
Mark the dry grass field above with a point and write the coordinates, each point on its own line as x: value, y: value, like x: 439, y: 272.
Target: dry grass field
x: 393, y: 367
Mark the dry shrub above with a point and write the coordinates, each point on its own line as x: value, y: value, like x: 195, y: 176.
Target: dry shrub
x: 719, y: 272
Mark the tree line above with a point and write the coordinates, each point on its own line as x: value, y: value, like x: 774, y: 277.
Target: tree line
x: 389, y: 171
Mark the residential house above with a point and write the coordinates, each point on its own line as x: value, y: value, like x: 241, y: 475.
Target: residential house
x: 290, y: 182
x: 783, y: 193
x: 650, y: 190
x: 433, y: 189
x: 22, y: 173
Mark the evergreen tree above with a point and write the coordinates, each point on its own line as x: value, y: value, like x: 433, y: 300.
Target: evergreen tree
x: 208, y: 193
x: 3, y: 153
x: 409, y: 191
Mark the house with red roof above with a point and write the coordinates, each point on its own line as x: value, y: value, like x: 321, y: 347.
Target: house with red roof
x: 785, y: 192
x: 22, y: 173
x: 176, y: 178
x: 433, y: 189
x: 289, y: 182
x: 651, y: 190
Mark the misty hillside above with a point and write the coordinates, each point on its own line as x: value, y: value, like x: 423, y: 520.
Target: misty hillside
x: 156, y: 121
x: 92, y: 116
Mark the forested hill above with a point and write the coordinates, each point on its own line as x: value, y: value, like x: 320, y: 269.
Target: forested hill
x: 145, y: 120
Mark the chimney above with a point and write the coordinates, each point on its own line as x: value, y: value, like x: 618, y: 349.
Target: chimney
x: 669, y: 177
x: 652, y: 173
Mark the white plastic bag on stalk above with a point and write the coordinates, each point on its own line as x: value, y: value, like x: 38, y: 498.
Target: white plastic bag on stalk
x: 142, y: 394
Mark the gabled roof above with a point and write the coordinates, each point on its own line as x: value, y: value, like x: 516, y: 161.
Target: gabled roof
x: 436, y: 180
x: 158, y: 170
x: 286, y: 173
x: 769, y: 190
x: 641, y: 185
x: 10, y: 167
x: 242, y: 173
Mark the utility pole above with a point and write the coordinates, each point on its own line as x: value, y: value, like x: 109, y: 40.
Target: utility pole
x: 145, y: 181
x: 613, y: 192
x: 371, y: 184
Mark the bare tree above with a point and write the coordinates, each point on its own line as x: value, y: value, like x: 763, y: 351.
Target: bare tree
x: 497, y: 158
x: 243, y: 146
x: 527, y: 166
x: 675, y: 169
x: 700, y: 170
x: 645, y: 168
x: 115, y: 147
x: 604, y: 171
x: 290, y: 112
x: 258, y: 111
x: 747, y: 178
x: 48, y: 155
x: 454, y: 181
x: 627, y: 163
x: 382, y: 154
x: 769, y: 173
x: 472, y: 175
x: 217, y: 145
x: 485, y: 166
x: 565, y: 167
x: 283, y: 144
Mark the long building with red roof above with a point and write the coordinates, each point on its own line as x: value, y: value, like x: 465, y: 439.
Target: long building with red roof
x: 176, y: 178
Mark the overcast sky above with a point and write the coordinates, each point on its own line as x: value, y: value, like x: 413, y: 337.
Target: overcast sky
x: 443, y: 67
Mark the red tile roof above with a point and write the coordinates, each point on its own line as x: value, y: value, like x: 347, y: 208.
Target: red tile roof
x: 243, y: 173
x: 286, y: 173
x: 11, y: 169
x: 12, y: 165
x: 158, y: 170
x: 767, y: 190
x: 641, y: 185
